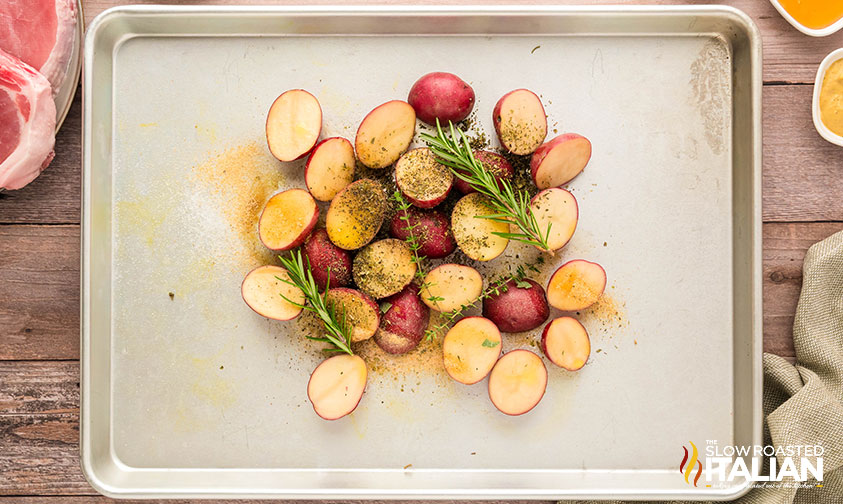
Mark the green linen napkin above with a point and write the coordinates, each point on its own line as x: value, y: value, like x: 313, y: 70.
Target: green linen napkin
x: 803, y: 403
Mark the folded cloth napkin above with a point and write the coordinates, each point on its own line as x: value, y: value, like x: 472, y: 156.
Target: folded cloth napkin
x: 803, y: 403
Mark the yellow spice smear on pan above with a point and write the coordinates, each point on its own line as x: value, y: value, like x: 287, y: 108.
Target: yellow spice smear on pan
x: 831, y: 98
x: 814, y: 14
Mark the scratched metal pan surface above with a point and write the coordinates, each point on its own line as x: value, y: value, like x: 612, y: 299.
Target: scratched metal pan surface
x: 188, y: 393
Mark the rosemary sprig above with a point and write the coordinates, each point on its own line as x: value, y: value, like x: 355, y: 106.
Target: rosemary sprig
x: 507, y: 205
x: 337, y: 330
x: 411, y: 240
x: 494, y: 289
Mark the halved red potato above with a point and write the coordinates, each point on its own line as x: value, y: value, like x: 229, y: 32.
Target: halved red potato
x: 474, y: 236
x: 287, y: 219
x: 262, y: 292
x: 360, y: 312
x: 356, y: 214
x: 558, y: 208
x: 576, y: 285
x: 293, y: 124
x: 384, y: 267
x: 447, y: 287
x: 404, y: 321
x: 422, y: 180
x: 430, y: 228
x: 443, y: 96
x: 565, y: 342
x: 520, y: 121
x: 330, y: 168
x: 493, y: 162
x: 385, y: 134
x: 520, y: 305
x: 559, y: 160
x: 518, y: 382
x: 326, y: 261
x: 336, y: 386
x: 471, y: 349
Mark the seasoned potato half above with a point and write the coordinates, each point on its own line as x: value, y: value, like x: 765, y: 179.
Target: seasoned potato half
x: 330, y: 168
x: 384, y: 268
x: 576, y: 285
x: 421, y: 179
x: 520, y: 121
x: 475, y: 237
x: 565, y: 342
x: 470, y: 349
x: 558, y: 208
x: 450, y: 286
x: 356, y: 214
x: 385, y: 134
x: 358, y: 310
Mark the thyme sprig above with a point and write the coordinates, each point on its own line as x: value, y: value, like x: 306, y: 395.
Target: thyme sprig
x: 507, y: 204
x: 411, y: 240
x: 495, y: 288
x: 337, y: 329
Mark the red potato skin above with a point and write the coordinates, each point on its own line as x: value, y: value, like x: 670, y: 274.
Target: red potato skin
x: 432, y: 230
x: 492, y: 161
x: 441, y: 95
x: 404, y: 322
x: 322, y: 254
x: 517, y: 309
x: 429, y: 203
x: 545, y: 148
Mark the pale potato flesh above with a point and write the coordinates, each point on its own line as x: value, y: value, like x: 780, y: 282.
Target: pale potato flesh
x: 564, y: 162
x: 262, y: 291
x: 566, y: 343
x: 470, y: 349
x: 385, y: 134
x: 475, y: 237
x: 293, y: 124
x: 330, y: 168
x: 518, y: 382
x: 576, y: 285
x: 336, y: 386
x: 450, y: 286
x: 286, y: 217
x: 557, y: 208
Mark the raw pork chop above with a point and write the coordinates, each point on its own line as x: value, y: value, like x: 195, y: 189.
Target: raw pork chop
x: 41, y: 33
x: 27, y: 122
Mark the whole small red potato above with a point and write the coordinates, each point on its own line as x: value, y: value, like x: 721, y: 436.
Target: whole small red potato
x: 521, y: 307
x: 431, y: 228
x: 441, y: 95
x: 404, y: 321
x: 322, y: 254
x: 496, y: 164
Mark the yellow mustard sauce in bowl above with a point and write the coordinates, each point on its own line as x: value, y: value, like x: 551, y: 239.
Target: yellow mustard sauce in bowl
x: 831, y: 98
x: 814, y: 14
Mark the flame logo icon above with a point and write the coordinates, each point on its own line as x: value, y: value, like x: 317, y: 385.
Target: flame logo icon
x: 686, y: 467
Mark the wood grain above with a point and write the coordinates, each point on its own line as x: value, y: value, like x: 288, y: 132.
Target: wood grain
x: 39, y: 292
x: 789, y: 56
x: 54, y: 197
x: 803, y: 174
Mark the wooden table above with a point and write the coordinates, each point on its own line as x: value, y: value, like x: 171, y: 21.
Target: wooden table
x: 39, y: 260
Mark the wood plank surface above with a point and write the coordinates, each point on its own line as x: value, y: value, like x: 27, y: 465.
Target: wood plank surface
x: 789, y: 56
x: 39, y: 292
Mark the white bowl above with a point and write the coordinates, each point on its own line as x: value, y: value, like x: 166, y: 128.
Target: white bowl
x: 815, y: 108
x: 814, y: 32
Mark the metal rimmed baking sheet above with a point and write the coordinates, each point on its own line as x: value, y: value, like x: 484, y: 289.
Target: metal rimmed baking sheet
x: 194, y: 395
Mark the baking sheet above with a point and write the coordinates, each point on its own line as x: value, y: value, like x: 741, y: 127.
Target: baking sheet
x: 188, y: 392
